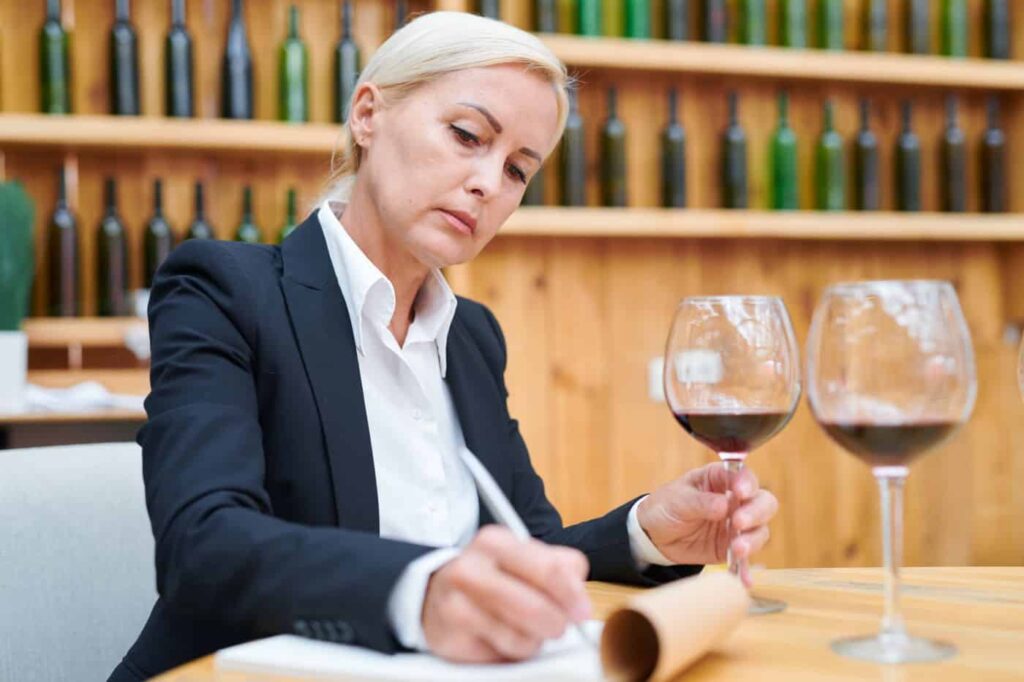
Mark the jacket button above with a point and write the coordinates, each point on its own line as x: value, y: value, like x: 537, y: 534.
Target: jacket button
x: 318, y: 630
x: 331, y: 633
x: 301, y: 628
x: 346, y: 633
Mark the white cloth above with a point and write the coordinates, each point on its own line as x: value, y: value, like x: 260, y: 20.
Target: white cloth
x: 424, y: 492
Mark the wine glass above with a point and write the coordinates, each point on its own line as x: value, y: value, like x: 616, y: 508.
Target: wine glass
x: 732, y: 380
x: 890, y: 375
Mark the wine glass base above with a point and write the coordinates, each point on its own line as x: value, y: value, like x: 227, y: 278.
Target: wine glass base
x: 891, y: 648
x: 760, y: 606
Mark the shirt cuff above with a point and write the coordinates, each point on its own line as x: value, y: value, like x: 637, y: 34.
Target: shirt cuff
x: 405, y: 605
x: 644, y: 551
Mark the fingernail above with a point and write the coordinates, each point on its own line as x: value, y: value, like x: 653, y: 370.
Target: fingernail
x: 581, y: 611
x: 740, y: 521
x: 744, y: 488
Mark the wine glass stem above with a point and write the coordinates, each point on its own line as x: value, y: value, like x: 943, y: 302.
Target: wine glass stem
x: 891, y: 488
x: 734, y: 466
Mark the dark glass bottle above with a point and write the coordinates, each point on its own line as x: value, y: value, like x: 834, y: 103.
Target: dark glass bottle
x: 866, y: 186
x: 290, y: 222
x: 998, y: 25
x: 876, y: 25
x: 638, y: 19
x: 830, y: 24
x: 918, y: 27
x: 677, y: 19
x: 179, y: 98
x: 613, y: 155
x: 954, y: 161
x: 589, y: 21
x: 293, y: 74
x: 401, y: 13
x: 111, y: 260
x: 673, y: 157
x: 830, y: 182
x: 734, y: 159
x: 613, y: 18
x: 908, y: 165
x: 546, y: 16
x: 534, y: 193
x: 54, y: 63
x: 158, y: 239
x: 247, y: 230
x: 716, y: 21
x: 124, y: 64
x: 993, y: 162
x: 346, y: 66
x: 953, y: 32
x: 200, y: 229
x: 785, y: 192
x: 793, y: 23
x: 489, y: 8
x: 62, y: 251
x: 236, y: 69
x: 574, y: 157
x: 753, y: 20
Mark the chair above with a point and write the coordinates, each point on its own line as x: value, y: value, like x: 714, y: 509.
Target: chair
x: 77, y: 579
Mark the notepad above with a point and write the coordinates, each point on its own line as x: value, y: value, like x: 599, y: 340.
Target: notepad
x: 568, y: 659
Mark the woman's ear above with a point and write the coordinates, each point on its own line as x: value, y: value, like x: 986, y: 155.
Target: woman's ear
x: 366, y: 102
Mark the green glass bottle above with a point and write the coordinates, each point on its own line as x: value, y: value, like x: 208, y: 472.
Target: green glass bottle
x: 784, y: 189
x: 953, y: 34
x: 908, y: 165
x: 589, y: 21
x: 677, y: 19
x: 613, y: 18
x: 568, y: 16
x: 918, y: 27
x: 875, y: 28
x: 62, y: 252
x: 534, y: 193
x: 673, y: 157
x: 111, y: 259
x: 793, y: 23
x: 489, y: 8
x: 293, y: 74
x: 734, y: 159
x: 401, y: 13
x: 290, y: 222
x: 178, y: 66
x: 997, y: 29
x: 574, y: 157
x: 546, y: 16
x: 613, y: 155
x: 830, y: 24
x: 638, y: 19
x: 716, y: 21
x: 830, y: 182
x: 54, y: 63
x: 346, y: 65
x: 236, y: 69
x: 200, y: 229
x: 124, y: 64
x: 158, y: 239
x: 953, y: 188
x: 993, y: 162
x: 867, y: 195
x: 752, y: 22
x: 247, y: 230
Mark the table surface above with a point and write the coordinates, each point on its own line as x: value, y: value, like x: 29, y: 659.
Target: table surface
x: 981, y: 610
x: 130, y: 381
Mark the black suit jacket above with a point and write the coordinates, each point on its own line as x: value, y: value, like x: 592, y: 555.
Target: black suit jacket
x: 257, y: 462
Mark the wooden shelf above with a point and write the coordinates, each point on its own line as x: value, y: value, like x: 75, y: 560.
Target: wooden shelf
x: 726, y: 224
x: 129, y: 132
x: 786, y: 63
x: 86, y: 332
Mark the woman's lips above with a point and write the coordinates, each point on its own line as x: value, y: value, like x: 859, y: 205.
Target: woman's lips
x: 460, y: 221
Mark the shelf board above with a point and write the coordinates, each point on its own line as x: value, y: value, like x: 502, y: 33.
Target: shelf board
x: 87, y: 332
x: 131, y: 132
x: 787, y: 63
x: 732, y: 224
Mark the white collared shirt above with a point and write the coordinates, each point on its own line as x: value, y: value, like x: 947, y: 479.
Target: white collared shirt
x: 425, y: 494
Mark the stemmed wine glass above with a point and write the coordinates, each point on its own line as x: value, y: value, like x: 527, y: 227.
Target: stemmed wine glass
x: 732, y: 380
x: 890, y: 375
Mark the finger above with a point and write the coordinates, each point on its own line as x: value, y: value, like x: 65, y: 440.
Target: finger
x: 755, y: 512
x: 745, y: 484
x: 747, y: 544
x: 689, y: 504
x: 489, y: 639
x: 716, y: 478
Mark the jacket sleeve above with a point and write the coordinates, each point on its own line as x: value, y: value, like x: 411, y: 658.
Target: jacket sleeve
x: 604, y: 540
x: 221, y: 555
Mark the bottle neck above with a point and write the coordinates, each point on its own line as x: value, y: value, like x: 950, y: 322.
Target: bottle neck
x: 612, y: 103
x: 907, y: 116
x: 53, y: 10
x: 993, y: 113
x: 199, y: 202
x: 673, y: 106
x: 247, y: 205
x: 865, y: 116
x: 783, y: 111
x: 293, y: 22
x: 158, y: 197
x: 291, y: 207
x: 62, y: 188
x: 734, y: 110
x: 178, y: 13
x: 951, y: 114
x: 346, y: 19
x: 236, y: 9
x: 122, y: 13
x: 111, y: 196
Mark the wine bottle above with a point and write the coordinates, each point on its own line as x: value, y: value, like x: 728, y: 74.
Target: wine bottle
x: 752, y: 22
x: 62, y: 251
x: 716, y: 21
x: 785, y: 193
x: 993, y: 162
x: 793, y: 23
x: 876, y: 25
x: 111, y: 259
x: 247, y: 230
x: 830, y: 24
x: 290, y: 222
x: 638, y: 19
x: 953, y: 35
x: 158, y: 239
x: 401, y: 13
x: 589, y: 22
x: 346, y: 65
x: 677, y: 20
x: 673, y: 157
x: 200, y: 229
x: 534, y: 193
x: 293, y: 74
x: 54, y: 65
x: 613, y: 18
x: 831, y: 176
x: 734, y: 159
x: 954, y: 161
x: 867, y: 191
x: 918, y: 30
x: 613, y: 155
x: 489, y: 8
x: 568, y: 16
x: 124, y: 64
x: 179, y: 99
x: 908, y: 165
x: 546, y: 16
x: 236, y: 69
x: 997, y: 29
x: 573, y: 157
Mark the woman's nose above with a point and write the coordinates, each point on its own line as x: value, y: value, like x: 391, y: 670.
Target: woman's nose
x: 485, y: 180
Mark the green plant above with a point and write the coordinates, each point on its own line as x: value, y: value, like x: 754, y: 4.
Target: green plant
x: 17, y: 256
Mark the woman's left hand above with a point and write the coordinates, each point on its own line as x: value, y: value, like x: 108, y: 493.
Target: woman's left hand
x: 685, y: 518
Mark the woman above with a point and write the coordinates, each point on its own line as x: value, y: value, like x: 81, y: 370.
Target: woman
x: 309, y: 402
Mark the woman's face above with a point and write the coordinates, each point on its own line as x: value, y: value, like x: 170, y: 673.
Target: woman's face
x: 446, y: 165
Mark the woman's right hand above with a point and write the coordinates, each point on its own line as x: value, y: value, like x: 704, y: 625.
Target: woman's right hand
x: 502, y: 597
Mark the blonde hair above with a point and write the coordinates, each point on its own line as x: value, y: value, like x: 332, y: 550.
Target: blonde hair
x: 431, y: 46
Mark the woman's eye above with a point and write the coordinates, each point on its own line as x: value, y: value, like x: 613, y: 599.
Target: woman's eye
x: 518, y: 173
x: 464, y: 135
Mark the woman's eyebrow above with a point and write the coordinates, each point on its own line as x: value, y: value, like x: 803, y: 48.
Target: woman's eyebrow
x: 497, y: 127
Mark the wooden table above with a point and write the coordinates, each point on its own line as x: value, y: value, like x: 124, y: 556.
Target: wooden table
x: 981, y: 610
